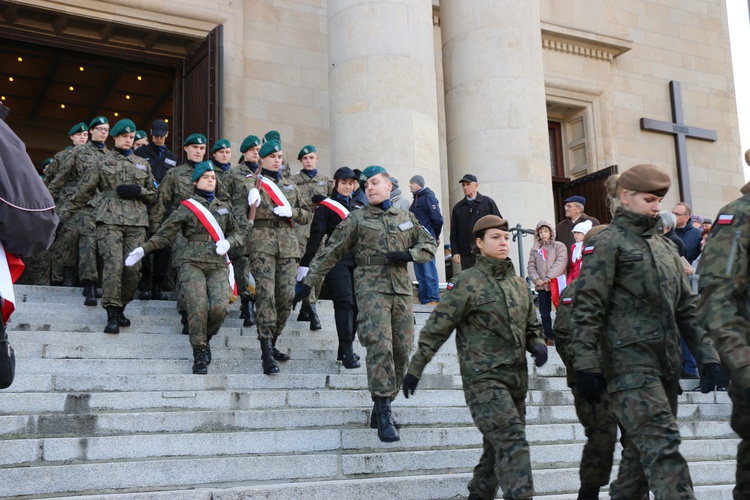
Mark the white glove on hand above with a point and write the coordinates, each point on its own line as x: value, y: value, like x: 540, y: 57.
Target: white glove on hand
x: 283, y: 211
x: 222, y: 247
x: 253, y: 197
x: 134, y: 256
x: 302, y: 272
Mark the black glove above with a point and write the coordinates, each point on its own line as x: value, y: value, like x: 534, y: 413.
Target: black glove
x: 591, y: 385
x: 409, y: 384
x: 710, y: 378
x: 539, y: 353
x: 128, y: 190
x: 398, y: 256
x: 303, y: 292
x: 746, y: 393
x: 317, y: 198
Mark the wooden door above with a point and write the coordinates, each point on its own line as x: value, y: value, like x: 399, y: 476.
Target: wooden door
x: 590, y: 187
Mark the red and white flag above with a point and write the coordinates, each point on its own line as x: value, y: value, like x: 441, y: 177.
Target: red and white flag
x: 11, y: 267
x: 556, y: 286
x: 337, y: 207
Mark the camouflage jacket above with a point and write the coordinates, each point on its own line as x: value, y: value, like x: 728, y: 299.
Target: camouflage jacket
x: 238, y: 180
x: 634, y: 302
x: 112, y: 170
x: 309, y: 187
x: 724, y: 306
x: 495, y: 320
x: 54, y: 167
x: 371, y: 232
x: 72, y: 169
x: 280, y: 241
x: 185, y: 222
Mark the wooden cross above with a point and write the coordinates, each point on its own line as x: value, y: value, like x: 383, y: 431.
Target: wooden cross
x: 680, y: 131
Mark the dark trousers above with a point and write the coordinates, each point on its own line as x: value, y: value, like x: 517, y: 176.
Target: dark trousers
x: 340, y: 286
x: 545, y: 310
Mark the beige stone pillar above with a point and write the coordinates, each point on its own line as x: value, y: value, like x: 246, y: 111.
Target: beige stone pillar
x: 496, y: 119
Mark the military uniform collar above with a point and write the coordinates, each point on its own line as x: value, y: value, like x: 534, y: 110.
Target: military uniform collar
x: 495, y: 267
x: 643, y: 225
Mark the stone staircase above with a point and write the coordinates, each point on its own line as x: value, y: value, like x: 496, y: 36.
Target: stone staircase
x: 121, y: 416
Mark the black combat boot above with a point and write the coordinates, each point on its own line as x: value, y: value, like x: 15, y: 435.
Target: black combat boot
x: 314, y: 320
x: 243, y: 306
x: 249, y: 313
x: 121, y: 319
x: 68, y: 276
x: 278, y: 355
x: 90, y: 294
x: 112, y: 317
x: 156, y: 293
x: 588, y: 493
x: 304, y: 312
x: 474, y: 496
x: 344, y: 319
x: 349, y: 359
x: 200, y: 367
x: 208, y: 350
x: 269, y: 364
x: 386, y: 430
x: 374, y: 420
x: 184, y: 320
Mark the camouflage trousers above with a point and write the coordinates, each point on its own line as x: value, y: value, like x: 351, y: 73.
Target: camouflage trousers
x: 386, y: 330
x: 651, y: 459
x: 600, y: 426
x: 740, y: 423
x: 206, y: 291
x: 274, y: 289
x: 37, y: 269
x: 79, y: 239
x: 119, y: 281
x: 505, y: 461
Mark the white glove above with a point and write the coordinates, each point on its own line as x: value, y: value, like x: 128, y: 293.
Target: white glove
x: 253, y: 197
x: 283, y: 211
x: 222, y: 247
x: 302, y: 272
x: 134, y: 256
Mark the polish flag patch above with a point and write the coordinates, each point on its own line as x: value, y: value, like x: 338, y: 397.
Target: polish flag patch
x: 567, y: 300
x: 588, y: 250
x: 725, y: 219
x: 449, y: 286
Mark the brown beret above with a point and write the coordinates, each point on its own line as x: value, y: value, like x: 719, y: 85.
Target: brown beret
x: 593, y: 232
x: 489, y: 222
x: 746, y: 188
x: 645, y: 178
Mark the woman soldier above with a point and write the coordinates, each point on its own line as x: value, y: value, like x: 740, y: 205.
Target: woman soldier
x: 340, y: 279
x: 273, y: 250
x: 494, y: 315
x: 125, y: 186
x: 210, y: 230
x: 634, y: 303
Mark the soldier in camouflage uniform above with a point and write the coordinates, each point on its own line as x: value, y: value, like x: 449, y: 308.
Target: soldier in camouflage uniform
x: 79, y: 135
x: 313, y: 186
x: 597, y: 419
x: 634, y: 303
x: 126, y: 185
x: 723, y: 311
x: 493, y: 314
x: 383, y: 239
x: 79, y: 226
x: 273, y: 250
x: 203, y: 262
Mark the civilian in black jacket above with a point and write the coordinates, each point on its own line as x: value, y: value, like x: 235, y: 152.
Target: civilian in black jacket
x: 465, y: 214
x: 427, y: 209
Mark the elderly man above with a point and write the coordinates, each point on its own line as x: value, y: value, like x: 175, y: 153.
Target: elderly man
x: 690, y: 235
x: 573, y: 215
x: 465, y: 214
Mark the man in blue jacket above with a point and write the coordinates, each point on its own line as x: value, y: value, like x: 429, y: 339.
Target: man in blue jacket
x: 427, y: 209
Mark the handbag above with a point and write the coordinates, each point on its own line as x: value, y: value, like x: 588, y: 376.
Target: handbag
x: 7, y: 360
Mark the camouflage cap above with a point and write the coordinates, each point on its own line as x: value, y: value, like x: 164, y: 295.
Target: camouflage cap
x: 78, y: 127
x: 201, y: 168
x: 99, y: 120
x: 140, y: 134
x: 221, y: 144
x: 250, y: 142
x: 272, y: 146
x: 490, y: 222
x: 272, y: 135
x: 371, y: 171
x: 195, y: 139
x: 593, y: 232
x: 124, y: 126
x: 646, y: 178
x: 306, y: 151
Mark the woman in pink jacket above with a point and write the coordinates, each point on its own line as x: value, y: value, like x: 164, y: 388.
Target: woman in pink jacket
x: 547, y: 261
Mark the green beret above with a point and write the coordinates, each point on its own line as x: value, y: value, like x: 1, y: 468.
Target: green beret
x: 269, y: 147
x: 221, y: 144
x: 490, y: 222
x: 99, y: 120
x: 250, y: 142
x: 272, y: 135
x: 124, y: 126
x: 201, y: 168
x: 372, y: 170
x: 306, y: 151
x: 195, y: 139
x: 645, y: 178
x: 140, y: 134
x: 49, y: 160
x: 78, y: 127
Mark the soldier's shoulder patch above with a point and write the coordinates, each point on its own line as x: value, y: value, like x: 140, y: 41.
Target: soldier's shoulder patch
x: 140, y: 166
x: 222, y: 211
x: 288, y: 187
x: 588, y: 250
x: 724, y: 219
x: 404, y: 226
x: 566, y: 301
x: 450, y: 286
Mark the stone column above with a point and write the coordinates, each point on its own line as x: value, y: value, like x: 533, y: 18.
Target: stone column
x: 382, y: 88
x: 496, y: 118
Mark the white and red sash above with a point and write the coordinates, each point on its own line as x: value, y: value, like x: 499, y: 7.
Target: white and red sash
x: 11, y: 267
x: 337, y: 207
x: 272, y: 190
x: 212, y: 226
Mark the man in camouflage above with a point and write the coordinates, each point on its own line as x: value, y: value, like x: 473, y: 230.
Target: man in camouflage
x: 597, y: 419
x: 273, y: 250
x: 384, y: 240
x: 495, y: 320
x: 125, y: 185
x: 723, y: 311
x: 313, y: 185
x: 79, y: 226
